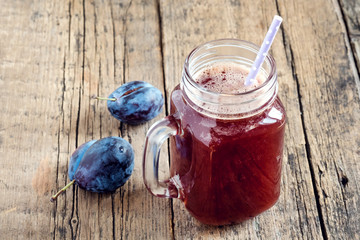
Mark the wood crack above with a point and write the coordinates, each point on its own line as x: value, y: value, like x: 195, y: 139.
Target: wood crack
x: 81, y: 89
x: 71, y: 222
x: 124, y: 42
x: 114, y: 37
x: 297, y: 204
x: 99, y: 234
x: 61, y: 120
x: 350, y: 48
x: 307, y: 147
x: 114, y: 59
x: 56, y: 181
x: 69, y: 35
x: 291, y: 59
x: 161, y: 44
x: 74, y: 219
x: 98, y: 93
x: 113, y: 216
x: 95, y: 29
x: 122, y: 193
x: 61, y: 125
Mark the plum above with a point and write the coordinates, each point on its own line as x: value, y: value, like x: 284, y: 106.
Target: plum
x: 76, y: 158
x: 106, y: 165
x: 135, y: 102
x: 101, y: 166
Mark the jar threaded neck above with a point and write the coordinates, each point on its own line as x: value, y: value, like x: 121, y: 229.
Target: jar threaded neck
x: 225, y: 105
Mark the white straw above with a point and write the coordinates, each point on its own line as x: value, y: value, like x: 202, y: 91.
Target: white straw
x: 265, y: 46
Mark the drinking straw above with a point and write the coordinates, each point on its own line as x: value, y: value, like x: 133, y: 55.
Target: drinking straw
x: 265, y: 46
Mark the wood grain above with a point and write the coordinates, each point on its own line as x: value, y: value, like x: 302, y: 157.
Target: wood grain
x: 55, y: 55
x: 330, y: 111
x: 350, y: 11
x: 143, y: 61
x: 107, y: 54
x: 30, y: 77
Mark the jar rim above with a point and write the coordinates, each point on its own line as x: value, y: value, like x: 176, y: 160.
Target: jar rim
x: 234, y: 42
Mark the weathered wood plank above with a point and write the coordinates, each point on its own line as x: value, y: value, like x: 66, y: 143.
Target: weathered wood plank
x: 66, y: 222
x: 63, y: 54
x: 295, y: 215
x: 350, y: 9
x: 330, y: 108
x: 109, y: 50
x: 33, y: 41
x: 144, y: 216
x: 94, y: 211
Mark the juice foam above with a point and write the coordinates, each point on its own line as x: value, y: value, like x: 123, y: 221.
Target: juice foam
x: 227, y: 78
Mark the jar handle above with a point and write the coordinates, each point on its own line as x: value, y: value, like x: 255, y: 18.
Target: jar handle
x: 157, y: 134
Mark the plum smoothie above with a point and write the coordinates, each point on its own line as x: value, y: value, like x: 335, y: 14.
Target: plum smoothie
x: 228, y: 169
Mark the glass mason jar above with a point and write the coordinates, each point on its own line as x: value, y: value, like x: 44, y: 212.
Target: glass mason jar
x: 225, y: 149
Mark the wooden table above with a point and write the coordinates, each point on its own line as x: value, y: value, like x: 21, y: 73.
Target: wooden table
x: 55, y: 55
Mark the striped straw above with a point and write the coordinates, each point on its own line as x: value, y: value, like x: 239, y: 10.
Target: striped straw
x: 265, y: 46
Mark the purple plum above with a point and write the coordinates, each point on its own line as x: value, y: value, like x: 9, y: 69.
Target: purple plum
x: 100, y: 166
x: 76, y: 158
x: 135, y: 102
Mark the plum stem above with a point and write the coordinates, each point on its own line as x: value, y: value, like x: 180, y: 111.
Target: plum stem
x: 103, y: 98
x: 54, y: 197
